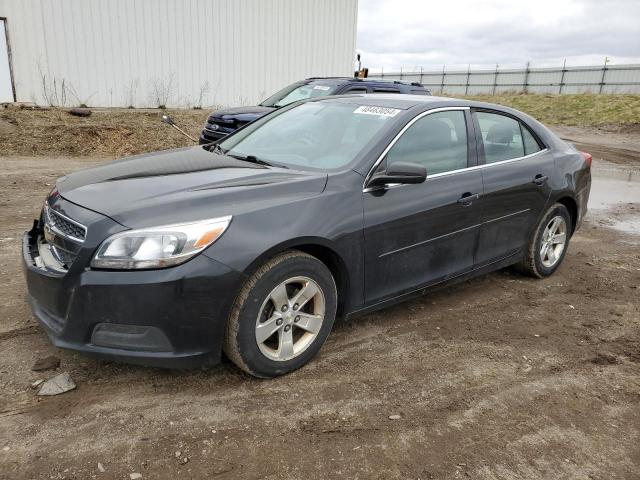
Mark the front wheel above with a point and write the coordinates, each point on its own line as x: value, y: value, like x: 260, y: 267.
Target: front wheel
x: 549, y: 243
x: 282, y: 316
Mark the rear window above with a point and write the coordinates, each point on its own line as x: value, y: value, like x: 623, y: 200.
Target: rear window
x: 385, y: 90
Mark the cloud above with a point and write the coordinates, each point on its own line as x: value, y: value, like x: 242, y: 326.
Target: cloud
x: 419, y: 33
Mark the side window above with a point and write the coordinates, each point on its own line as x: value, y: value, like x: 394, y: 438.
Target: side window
x: 385, y: 90
x: 530, y: 143
x: 501, y: 137
x: 355, y: 90
x: 437, y: 141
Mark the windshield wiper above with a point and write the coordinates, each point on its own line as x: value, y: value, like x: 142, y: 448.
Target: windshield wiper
x: 254, y: 159
x: 249, y: 158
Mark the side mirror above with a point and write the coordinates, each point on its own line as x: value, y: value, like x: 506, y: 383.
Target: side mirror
x: 168, y: 120
x: 399, y: 172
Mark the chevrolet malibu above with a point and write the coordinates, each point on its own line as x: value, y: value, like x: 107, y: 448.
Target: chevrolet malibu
x: 327, y: 208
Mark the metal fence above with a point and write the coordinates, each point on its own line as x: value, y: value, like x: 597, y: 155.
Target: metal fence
x: 560, y: 80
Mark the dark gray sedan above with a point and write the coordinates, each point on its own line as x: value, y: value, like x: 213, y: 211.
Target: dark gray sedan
x: 326, y: 208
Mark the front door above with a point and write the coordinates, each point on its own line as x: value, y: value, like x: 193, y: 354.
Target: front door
x: 422, y: 234
x: 516, y: 170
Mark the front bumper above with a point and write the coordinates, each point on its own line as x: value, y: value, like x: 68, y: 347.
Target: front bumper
x: 172, y: 317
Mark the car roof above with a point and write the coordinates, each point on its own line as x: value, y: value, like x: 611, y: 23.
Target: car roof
x: 396, y: 100
x: 406, y: 101
x: 362, y: 80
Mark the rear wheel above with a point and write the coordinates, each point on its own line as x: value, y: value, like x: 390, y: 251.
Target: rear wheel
x: 549, y: 243
x: 282, y: 315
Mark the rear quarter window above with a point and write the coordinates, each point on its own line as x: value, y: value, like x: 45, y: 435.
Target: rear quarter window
x: 531, y: 145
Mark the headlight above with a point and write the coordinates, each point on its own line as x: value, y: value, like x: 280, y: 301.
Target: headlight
x: 158, y: 247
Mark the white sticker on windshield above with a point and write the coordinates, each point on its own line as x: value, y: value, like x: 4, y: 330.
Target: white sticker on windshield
x: 371, y: 110
x: 321, y: 87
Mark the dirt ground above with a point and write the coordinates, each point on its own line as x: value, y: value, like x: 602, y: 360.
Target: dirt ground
x: 501, y: 377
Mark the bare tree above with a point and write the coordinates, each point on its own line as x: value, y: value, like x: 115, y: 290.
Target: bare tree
x: 131, y: 93
x: 54, y: 92
x: 163, y: 90
x: 204, y: 90
x: 81, y: 102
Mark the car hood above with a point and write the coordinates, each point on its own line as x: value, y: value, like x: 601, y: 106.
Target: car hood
x: 184, y: 185
x: 242, y: 114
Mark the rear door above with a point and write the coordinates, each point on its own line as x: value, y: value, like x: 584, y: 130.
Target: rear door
x: 422, y: 234
x: 515, y: 173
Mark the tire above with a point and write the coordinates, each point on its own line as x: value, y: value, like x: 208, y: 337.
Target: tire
x: 534, y: 263
x: 297, y: 333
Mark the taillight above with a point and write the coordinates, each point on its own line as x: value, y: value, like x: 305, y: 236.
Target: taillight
x: 588, y: 158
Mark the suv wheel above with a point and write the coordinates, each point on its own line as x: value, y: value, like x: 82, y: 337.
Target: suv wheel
x: 549, y: 243
x: 282, y: 316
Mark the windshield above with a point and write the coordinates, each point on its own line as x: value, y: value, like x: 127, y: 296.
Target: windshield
x: 296, y: 92
x: 319, y: 135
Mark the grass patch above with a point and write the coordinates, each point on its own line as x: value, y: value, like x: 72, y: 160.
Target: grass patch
x: 582, y: 110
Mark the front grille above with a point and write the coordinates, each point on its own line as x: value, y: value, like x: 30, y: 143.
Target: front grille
x: 65, y: 257
x: 62, y: 236
x: 64, y: 226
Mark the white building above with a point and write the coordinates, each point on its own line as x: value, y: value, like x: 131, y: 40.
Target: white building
x: 178, y: 53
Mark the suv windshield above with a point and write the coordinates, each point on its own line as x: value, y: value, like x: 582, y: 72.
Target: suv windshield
x: 296, y: 92
x: 320, y: 135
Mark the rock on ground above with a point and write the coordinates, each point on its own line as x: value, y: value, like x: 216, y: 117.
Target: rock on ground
x: 59, y: 384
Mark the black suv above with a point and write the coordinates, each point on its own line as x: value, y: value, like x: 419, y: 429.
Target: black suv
x: 223, y: 122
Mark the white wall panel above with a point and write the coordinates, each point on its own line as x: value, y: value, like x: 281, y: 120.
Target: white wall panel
x: 118, y: 52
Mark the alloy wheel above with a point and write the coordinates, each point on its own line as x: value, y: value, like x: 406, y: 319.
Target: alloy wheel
x: 554, y: 240
x: 290, y: 318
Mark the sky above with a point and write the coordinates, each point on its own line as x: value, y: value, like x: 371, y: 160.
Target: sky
x: 482, y: 33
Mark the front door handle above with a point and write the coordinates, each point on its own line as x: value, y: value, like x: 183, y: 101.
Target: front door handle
x: 467, y: 198
x: 540, y: 180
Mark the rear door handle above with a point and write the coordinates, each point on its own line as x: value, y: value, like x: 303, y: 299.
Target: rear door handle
x: 467, y: 198
x: 540, y: 180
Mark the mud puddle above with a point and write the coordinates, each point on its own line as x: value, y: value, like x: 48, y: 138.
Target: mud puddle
x: 615, y: 197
